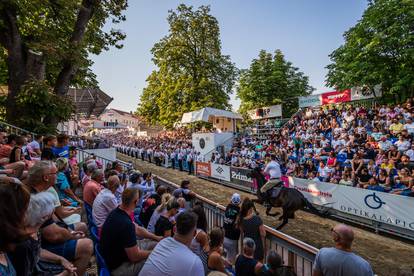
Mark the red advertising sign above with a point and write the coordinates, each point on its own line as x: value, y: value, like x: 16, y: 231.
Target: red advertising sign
x: 336, y: 97
x: 203, y: 169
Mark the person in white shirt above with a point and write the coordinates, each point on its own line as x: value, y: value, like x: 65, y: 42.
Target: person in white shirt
x: 410, y: 153
x: 273, y: 170
x: 409, y: 126
x: 402, y: 144
x: 172, y: 256
x: 105, y: 201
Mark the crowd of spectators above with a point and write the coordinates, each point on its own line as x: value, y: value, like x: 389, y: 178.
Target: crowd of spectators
x: 363, y: 147
x: 141, y: 228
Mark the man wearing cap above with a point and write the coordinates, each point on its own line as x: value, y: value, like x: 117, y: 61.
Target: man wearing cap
x: 273, y: 170
x: 231, y: 230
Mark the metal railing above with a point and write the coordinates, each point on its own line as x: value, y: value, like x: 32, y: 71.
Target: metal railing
x: 294, y: 252
x: 15, y: 130
x: 82, y: 156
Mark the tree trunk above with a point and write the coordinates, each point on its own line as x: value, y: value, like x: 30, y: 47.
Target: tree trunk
x: 11, y: 40
x: 69, y: 69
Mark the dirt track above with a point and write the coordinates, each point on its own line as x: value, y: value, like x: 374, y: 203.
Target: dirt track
x: 387, y: 256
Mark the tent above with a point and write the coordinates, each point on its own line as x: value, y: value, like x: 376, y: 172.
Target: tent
x: 207, y: 114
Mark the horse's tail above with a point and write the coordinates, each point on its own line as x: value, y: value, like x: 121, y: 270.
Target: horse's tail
x: 313, y: 210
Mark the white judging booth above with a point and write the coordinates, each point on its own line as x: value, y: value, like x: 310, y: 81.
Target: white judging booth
x: 224, y: 123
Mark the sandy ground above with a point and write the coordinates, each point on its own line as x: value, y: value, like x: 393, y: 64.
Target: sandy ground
x: 386, y: 255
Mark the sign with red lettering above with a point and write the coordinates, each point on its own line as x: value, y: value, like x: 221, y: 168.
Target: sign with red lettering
x: 203, y: 169
x: 336, y: 97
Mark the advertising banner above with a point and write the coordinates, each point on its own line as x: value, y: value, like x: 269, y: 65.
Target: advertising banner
x: 266, y: 112
x: 240, y: 176
x: 203, y: 169
x: 363, y: 93
x: 221, y: 172
x: 310, y: 101
x: 386, y: 208
x: 336, y: 97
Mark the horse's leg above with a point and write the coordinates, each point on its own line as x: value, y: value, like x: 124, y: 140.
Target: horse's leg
x: 285, y: 218
x: 268, y: 209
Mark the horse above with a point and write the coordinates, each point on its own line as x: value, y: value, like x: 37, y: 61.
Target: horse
x: 289, y: 199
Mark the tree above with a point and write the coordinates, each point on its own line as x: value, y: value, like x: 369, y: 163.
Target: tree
x: 271, y: 80
x: 47, y: 46
x: 379, y: 49
x: 192, y: 73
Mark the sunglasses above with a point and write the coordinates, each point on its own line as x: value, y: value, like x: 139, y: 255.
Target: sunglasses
x: 336, y: 233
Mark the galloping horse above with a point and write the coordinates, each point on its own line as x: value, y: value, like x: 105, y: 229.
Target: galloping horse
x: 289, y: 199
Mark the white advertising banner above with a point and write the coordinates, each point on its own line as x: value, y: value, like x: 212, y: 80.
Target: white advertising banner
x: 363, y: 93
x: 309, y: 101
x: 386, y: 208
x: 220, y: 172
x: 266, y: 112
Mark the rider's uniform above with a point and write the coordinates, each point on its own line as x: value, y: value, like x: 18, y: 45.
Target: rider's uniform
x: 272, y: 169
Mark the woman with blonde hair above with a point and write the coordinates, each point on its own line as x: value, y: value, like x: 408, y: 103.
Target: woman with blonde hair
x: 161, y: 209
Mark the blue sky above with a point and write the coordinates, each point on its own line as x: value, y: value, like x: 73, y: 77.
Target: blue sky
x: 306, y: 31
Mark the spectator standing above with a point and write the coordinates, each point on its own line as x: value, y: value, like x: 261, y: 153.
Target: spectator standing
x: 340, y: 260
x: 118, y: 243
x: 231, y: 229
x: 246, y: 264
x: 172, y: 256
x: 216, y: 261
x: 252, y: 227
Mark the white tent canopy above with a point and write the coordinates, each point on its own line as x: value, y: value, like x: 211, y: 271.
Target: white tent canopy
x: 204, y: 115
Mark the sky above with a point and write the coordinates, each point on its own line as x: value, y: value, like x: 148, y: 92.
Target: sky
x: 306, y: 31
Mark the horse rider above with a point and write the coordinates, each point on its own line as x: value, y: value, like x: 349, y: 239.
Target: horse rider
x: 273, y: 170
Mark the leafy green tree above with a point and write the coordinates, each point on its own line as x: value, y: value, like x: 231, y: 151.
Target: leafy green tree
x: 49, y: 43
x: 271, y: 80
x: 379, y: 49
x: 192, y: 72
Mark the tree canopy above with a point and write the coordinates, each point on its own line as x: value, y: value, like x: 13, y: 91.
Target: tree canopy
x: 45, y: 48
x: 191, y: 73
x: 379, y: 49
x: 270, y: 80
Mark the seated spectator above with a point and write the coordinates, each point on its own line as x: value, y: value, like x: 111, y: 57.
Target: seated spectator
x: 118, y: 243
x: 17, y: 153
x: 6, y: 148
x: 172, y: 256
x: 93, y: 186
x: 28, y: 257
x: 47, y: 152
x: 15, y: 200
x: 246, y: 264
x: 34, y: 147
x: 88, y: 168
x: 69, y: 215
x: 216, y: 261
x: 66, y: 195
x: 164, y: 226
x: 105, y: 202
x: 64, y: 240
x: 363, y: 178
x: 336, y: 260
x: 161, y: 209
x: 149, y: 206
x: 383, y: 178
